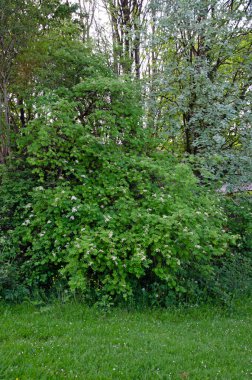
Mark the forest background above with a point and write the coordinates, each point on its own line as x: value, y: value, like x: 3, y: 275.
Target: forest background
x: 125, y: 150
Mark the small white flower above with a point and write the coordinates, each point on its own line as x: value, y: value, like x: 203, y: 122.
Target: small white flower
x: 83, y: 229
x: 113, y: 258
x: 73, y: 198
x: 107, y: 218
x: 83, y: 176
x: 41, y: 234
x: 110, y: 234
x: 72, y: 217
x: 26, y: 222
x: 74, y: 209
x: 49, y: 222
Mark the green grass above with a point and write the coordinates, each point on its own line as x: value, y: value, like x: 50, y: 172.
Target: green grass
x: 72, y: 341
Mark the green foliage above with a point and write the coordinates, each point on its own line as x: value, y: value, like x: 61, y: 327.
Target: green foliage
x: 105, y: 215
x: 235, y: 273
x: 202, y: 94
x: 16, y: 182
x: 238, y: 208
x: 111, y: 220
x: 95, y: 204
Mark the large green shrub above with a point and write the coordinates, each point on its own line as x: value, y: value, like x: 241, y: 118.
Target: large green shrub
x: 110, y: 220
x: 125, y: 219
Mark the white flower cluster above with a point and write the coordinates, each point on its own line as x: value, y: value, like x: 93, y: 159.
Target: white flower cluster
x: 26, y: 222
x: 140, y: 254
x: 107, y: 218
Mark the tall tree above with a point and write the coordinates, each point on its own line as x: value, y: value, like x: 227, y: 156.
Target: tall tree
x: 203, y: 93
x: 127, y: 18
x: 16, y: 27
x: 22, y: 22
x: 86, y: 13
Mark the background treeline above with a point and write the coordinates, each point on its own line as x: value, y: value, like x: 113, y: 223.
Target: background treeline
x: 114, y: 140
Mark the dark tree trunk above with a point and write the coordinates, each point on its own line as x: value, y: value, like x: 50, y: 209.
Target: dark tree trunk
x: 21, y: 112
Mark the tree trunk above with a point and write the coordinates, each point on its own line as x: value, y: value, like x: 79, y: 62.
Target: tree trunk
x: 22, y: 112
x: 7, y: 118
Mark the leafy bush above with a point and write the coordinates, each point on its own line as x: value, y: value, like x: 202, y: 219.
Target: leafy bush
x: 238, y: 208
x: 16, y: 183
x: 234, y: 274
x: 115, y: 222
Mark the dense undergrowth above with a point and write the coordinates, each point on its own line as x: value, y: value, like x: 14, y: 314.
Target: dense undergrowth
x: 121, y: 229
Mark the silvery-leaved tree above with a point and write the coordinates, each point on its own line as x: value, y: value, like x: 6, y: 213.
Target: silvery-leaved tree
x: 202, y: 95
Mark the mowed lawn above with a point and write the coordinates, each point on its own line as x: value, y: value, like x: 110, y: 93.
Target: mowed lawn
x: 73, y: 341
